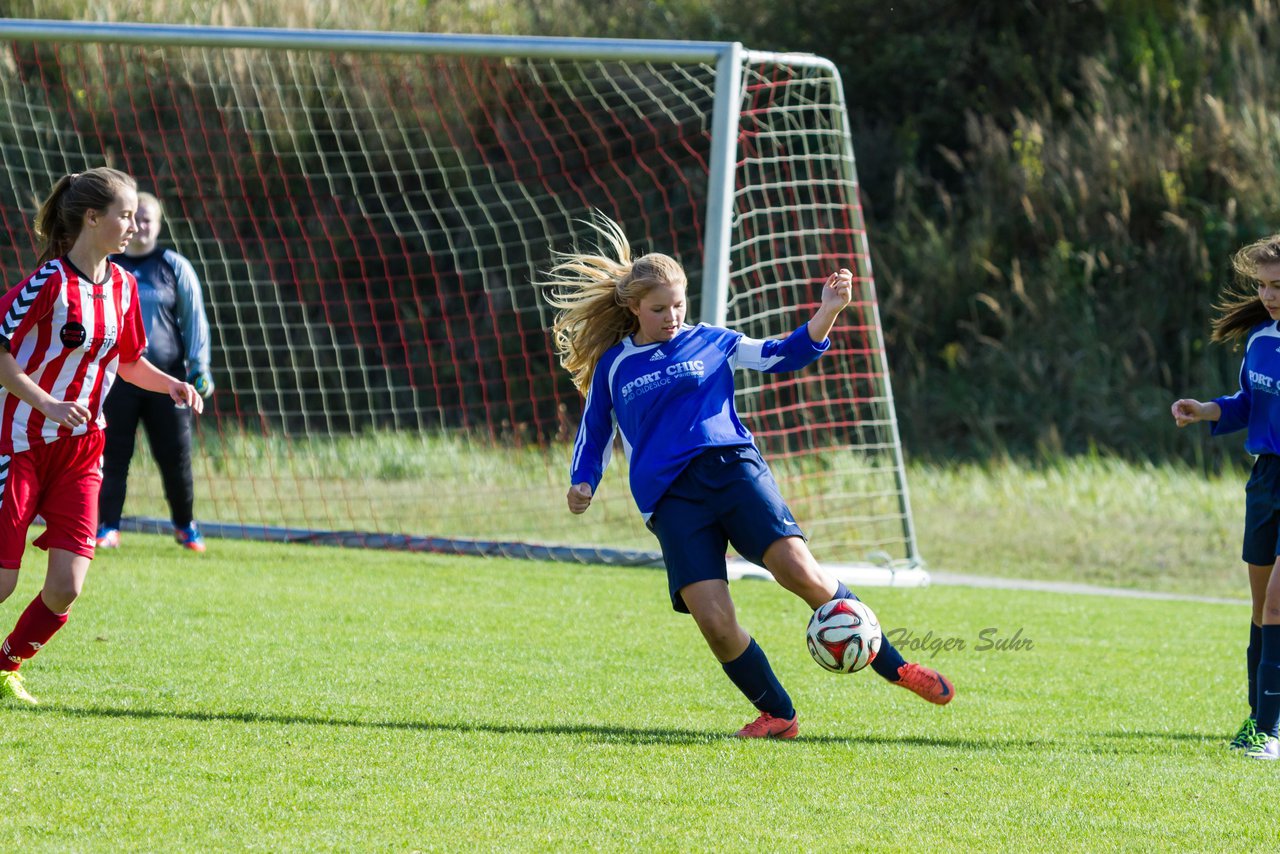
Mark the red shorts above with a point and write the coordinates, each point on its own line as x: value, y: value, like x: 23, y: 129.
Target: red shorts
x: 59, y: 481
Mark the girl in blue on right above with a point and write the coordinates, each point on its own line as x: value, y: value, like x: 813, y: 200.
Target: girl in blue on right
x: 696, y: 474
x: 1251, y: 317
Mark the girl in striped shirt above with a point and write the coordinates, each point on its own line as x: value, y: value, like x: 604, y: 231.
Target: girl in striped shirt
x: 66, y: 331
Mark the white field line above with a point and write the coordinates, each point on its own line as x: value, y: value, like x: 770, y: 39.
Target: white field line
x: 952, y: 579
x: 861, y: 575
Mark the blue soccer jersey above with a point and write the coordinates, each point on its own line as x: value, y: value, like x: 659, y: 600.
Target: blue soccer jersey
x: 671, y: 400
x: 172, y: 310
x: 1256, y: 406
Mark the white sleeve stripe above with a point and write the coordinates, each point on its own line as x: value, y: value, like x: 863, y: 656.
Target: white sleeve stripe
x: 613, y: 369
x: 580, y: 444
x: 26, y: 297
x: 606, y: 453
x: 750, y: 354
x: 1270, y: 331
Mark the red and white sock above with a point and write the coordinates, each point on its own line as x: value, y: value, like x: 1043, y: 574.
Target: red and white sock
x: 33, y: 630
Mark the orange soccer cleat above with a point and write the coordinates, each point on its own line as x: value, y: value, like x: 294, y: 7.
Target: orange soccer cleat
x: 767, y: 726
x: 930, y: 684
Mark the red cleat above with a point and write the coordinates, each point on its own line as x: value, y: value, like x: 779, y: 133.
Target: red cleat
x: 767, y: 726
x: 930, y: 684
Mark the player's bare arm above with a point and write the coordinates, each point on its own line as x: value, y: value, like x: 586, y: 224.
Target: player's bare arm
x: 837, y: 291
x: 147, y: 376
x: 1187, y: 411
x: 68, y: 413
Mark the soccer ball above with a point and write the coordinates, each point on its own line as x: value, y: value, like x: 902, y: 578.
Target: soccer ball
x: 843, y: 635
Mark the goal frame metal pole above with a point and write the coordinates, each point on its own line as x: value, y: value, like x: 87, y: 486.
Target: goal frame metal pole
x: 913, y: 559
x: 721, y: 185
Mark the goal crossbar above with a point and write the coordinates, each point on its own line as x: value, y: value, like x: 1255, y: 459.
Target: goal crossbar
x: 363, y: 41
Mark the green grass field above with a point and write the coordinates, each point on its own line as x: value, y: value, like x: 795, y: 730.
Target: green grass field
x: 278, y: 698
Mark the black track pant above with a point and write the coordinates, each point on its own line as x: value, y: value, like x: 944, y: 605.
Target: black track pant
x: 169, y: 434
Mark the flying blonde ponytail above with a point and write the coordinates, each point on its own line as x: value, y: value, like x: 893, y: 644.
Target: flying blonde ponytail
x: 595, y: 293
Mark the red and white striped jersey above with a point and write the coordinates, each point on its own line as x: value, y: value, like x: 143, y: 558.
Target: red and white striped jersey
x: 69, y: 334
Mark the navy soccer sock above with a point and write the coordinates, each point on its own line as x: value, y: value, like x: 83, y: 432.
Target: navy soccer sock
x: 888, y: 660
x: 754, y: 677
x: 1253, y: 656
x: 1269, y: 681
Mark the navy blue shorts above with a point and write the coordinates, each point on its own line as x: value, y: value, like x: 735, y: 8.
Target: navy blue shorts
x: 725, y: 495
x: 1262, y: 512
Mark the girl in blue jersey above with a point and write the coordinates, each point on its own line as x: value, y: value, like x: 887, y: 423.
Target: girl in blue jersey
x: 696, y: 475
x: 1251, y: 317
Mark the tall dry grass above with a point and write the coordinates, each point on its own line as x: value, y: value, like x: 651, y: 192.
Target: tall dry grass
x: 1052, y: 293
x: 506, y: 17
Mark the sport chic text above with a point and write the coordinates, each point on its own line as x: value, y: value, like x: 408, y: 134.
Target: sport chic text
x: 657, y: 379
x: 989, y: 639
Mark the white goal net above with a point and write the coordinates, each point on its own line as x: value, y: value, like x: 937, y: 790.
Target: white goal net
x: 367, y: 213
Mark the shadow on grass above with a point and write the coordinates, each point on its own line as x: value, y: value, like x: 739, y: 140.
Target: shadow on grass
x: 1147, y: 735
x: 601, y: 733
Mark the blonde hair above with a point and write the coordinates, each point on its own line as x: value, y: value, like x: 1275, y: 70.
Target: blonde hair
x: 1240, y: 310
x: 149, y: 198
x: 595, y: 291
x: 61, y: 215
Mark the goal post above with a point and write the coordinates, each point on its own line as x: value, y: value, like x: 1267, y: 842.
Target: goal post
x: 368, y: 213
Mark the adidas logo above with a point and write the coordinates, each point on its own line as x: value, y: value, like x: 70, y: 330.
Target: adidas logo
x: 657, y: 356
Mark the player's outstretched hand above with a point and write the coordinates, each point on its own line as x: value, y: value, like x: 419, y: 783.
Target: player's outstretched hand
x: 1187, y: 411
x: 579, y: 498
x: 68, y: 413
x: 185, y: 394
x: 838, y: 289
